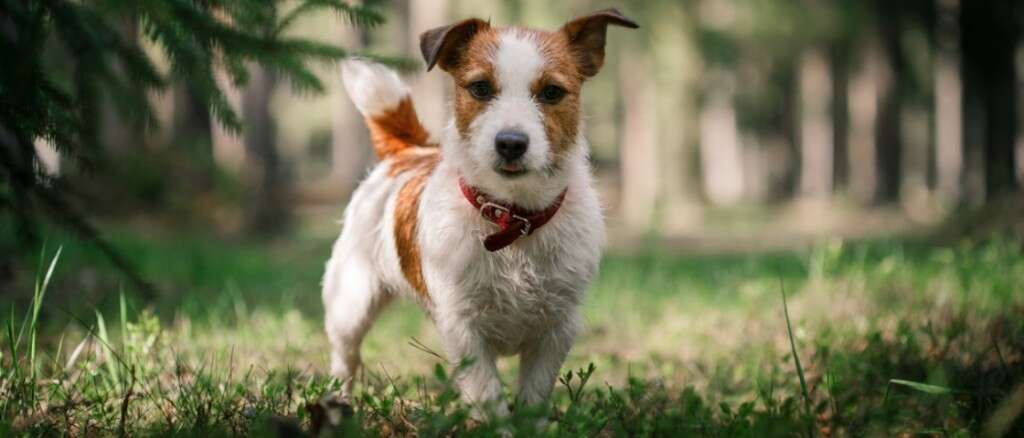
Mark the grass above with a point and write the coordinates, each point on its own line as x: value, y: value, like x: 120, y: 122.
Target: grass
x: 879, y: 338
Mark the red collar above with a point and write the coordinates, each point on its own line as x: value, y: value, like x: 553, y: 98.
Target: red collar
x: 513, y: 221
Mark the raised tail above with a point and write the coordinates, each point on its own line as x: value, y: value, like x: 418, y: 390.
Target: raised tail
x: 384, y: 100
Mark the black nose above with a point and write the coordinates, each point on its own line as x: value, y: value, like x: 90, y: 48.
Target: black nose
x: 511, y: 144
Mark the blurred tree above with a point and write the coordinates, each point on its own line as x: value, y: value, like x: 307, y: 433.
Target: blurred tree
x: 756, y: 47
x: 949, y: 138
x: 263, y: 171
x: 890, y: 17
x: 656, y: 116
x: 639, y: 142
x: 117, y: 132
x: 349, y: 137
x: 55, y: 98
x: 863, y: 92
x: 672, y: 30
x: 817, y: 145
x: 721, y: 155
x: 990, y: 35
x: 429, y: 91
x: 191, y: 132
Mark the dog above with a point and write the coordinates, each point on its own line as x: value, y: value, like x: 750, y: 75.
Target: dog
x: 494, y: 226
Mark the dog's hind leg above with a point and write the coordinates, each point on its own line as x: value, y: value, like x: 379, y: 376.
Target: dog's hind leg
x: 353, y: 297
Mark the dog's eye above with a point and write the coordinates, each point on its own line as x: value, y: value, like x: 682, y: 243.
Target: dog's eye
x: 481, y: 90
x: 551, y: 94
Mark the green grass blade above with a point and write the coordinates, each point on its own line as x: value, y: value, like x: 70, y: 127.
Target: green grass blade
x: 13, y: 344
x: 75, y: 353
x: 49, y: 271
x: 55, y: 362
x: 796, y: 357
x: 124, y: 321
x: 108, y: 354
x: 922, y: 387
x: 917, y: 386
x: 32, y: 314
x: 37, y: 305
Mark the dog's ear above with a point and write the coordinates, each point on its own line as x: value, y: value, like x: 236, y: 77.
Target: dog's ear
x: 445, y: 45
x: 587, y: 35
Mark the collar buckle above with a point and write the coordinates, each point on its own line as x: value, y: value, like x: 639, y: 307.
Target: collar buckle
x: 494, y: 211
x: 527, y: 225
x: 505, y: 217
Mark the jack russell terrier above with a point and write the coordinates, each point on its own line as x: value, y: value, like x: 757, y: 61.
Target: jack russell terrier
x: 495, y: 227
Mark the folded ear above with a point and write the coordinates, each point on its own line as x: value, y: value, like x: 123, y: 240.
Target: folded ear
x: 587, y: 36
x: 445, y: 45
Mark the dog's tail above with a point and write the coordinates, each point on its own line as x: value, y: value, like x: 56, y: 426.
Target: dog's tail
x: 385, y: 102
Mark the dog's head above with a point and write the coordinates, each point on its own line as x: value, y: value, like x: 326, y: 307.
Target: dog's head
x: 517, y: 90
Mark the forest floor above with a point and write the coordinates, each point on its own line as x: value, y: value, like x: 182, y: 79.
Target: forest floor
x: 892, y: 338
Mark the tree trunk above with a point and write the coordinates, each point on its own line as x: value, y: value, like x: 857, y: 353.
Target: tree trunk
x: 264, y: 172
x: 816, y: 141
x: 914, y: 192
x: 841, y: 64
x: 863, y: 92
x: 191, y: 132
x: 1019, y: 157
x: 974, y: 142
x: 1001, y: 110
x: 676, y: 72
x: 949, y: 153
x: 118, y: 133
x: 890, y: 117
x: 639, y: 144
x: 720, y: 153
x: 990, y: 36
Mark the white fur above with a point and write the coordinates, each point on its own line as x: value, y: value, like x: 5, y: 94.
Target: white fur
x: 372, y: 87
x: 523, y: 299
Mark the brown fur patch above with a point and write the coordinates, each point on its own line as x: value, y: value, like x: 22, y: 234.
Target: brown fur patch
x: 396, y: 129
x: 587, y: 36
x: 420, y: 163
x: 474, y: 65
x: 561, y: 120
x: 414, y: 158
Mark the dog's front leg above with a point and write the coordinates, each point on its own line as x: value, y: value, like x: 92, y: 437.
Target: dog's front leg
x: 476, y: 373
x: 541, y: 361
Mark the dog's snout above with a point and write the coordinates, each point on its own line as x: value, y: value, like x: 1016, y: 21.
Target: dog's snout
x: 511, y: 144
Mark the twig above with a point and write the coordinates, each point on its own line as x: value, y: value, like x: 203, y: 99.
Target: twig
x: 124, y: 406
x: 420, y: 346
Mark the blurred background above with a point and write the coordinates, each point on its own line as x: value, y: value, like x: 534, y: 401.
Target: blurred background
x: 718, y: 125
x: 865, y: 155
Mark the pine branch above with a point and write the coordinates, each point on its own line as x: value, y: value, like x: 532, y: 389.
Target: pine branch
x: 57, y: 98
x: 359, y: 16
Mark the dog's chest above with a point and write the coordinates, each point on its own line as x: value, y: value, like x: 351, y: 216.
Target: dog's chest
x: 514, y: 295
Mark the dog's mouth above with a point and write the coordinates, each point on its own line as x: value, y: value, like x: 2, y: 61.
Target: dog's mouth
x: 511, y: 170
